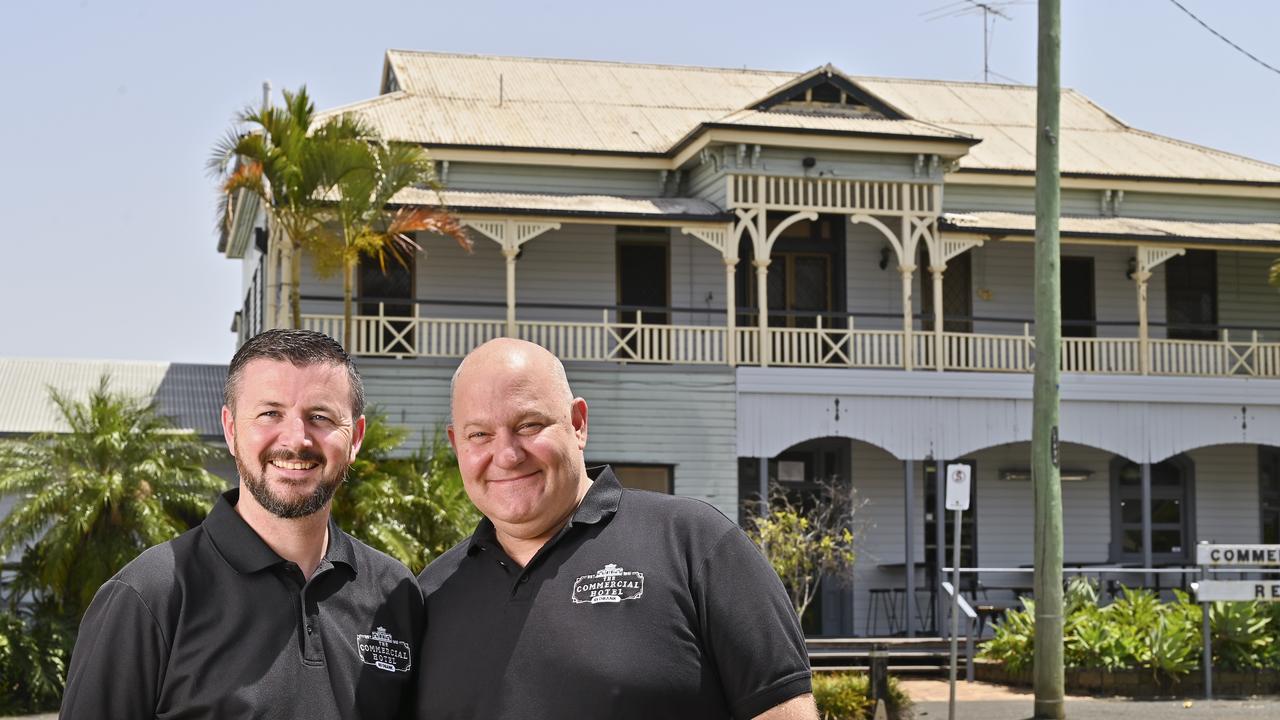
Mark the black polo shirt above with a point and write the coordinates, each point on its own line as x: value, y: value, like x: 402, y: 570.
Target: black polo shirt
x: 214, y: 624
x: 643, y: 606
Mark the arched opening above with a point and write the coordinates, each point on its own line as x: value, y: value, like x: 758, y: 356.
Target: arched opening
x: 802, y: 474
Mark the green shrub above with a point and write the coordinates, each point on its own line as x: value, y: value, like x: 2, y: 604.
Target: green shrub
x: 847, y: 696
x: 35, y: 648
x: 1140, y: 631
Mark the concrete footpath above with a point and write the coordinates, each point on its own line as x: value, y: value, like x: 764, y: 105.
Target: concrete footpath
x: 983, y: 701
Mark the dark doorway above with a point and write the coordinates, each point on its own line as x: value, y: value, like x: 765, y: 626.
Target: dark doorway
x: 1269, y: 492
x: 644, y: 275
x: 1191, y: 295
x: 957, y: 293
x: 380, y: 290
x: 1078, y: 314
x: 806, y: 273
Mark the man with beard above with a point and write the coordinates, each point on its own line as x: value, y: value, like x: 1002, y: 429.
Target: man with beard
x: 267, y: 609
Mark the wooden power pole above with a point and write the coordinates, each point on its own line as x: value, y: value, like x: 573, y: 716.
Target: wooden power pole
x: 1045, y: 462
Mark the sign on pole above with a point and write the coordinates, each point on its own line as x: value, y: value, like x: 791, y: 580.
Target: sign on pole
x: 958, y: 481
x: 1238, y: 590
x: 1237, y: 555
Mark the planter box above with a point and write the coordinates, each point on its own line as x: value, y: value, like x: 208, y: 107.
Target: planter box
x: 1141, y: 683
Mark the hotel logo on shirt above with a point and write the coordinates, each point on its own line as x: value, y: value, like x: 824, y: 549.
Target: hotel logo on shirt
x: 384, y: 652
x: 611, y: 584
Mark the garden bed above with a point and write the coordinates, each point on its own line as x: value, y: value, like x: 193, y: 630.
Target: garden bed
x: 1140, y: 683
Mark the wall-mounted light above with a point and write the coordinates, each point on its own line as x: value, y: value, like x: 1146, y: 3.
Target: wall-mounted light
x: 1024, y: 475
x: 1131, y: 268
x: 808, y: 162
x: 884, y: 257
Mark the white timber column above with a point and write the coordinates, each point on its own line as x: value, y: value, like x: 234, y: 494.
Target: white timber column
x: 762, y: 244
x: 509, y: 254
x: 940, y: 253
x: 1147, y: 259
x: 271, y: 291
x: 762, y: 308
x: 904, y: 245
x: 510, y: 235
x: 724, y: 239
x: 731, y: 314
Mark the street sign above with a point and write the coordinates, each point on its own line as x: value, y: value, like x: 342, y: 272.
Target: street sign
x: 1237, y: 555
x: 1239, y: 590
x: 958, y: 477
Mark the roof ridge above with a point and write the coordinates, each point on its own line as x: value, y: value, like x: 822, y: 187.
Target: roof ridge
x: 358, y: 104
x: 579, y: 61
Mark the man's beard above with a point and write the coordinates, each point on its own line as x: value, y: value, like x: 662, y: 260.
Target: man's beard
x: 290, y: 509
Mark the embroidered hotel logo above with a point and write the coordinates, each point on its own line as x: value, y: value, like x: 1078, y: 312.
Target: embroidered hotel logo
x: 611, y: 584
x: 384, y: 652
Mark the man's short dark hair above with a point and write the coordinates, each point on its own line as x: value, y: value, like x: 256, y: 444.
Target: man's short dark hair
x: 301, y: 348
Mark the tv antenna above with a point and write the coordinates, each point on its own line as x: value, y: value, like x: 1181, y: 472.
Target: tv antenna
x: 991, y: 11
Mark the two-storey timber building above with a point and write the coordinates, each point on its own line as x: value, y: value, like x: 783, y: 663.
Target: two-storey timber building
x: 769, y: 277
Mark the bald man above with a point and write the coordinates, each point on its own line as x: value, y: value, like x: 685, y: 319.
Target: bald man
x: 577, y: 598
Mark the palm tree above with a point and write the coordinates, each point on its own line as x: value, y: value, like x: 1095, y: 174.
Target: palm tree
x: 410, y: 506
x: 89, y: 500
x: 366, y: 174
x: 278, y: 160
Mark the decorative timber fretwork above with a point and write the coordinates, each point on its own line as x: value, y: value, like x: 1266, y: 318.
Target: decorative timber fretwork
x: 510, y: 234
x: 1147, y: 259
x: 833, y: 195
x: 724, y: 239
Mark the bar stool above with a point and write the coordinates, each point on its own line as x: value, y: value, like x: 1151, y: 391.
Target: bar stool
x: 884, y: 601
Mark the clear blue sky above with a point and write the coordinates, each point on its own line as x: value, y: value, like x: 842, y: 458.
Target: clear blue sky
x: 111, y: 107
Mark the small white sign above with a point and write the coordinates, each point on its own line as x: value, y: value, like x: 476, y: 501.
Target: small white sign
x: 958, y: 476
x: 1238, y: 555
x: 1241, y: 590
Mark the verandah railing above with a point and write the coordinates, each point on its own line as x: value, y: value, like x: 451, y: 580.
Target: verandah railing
x: 637, y: 335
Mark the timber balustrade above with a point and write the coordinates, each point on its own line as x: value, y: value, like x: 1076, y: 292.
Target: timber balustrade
x: 627, y: 334
x: 802, y: 194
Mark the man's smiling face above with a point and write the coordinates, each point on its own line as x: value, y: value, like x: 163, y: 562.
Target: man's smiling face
x: 292, y: 434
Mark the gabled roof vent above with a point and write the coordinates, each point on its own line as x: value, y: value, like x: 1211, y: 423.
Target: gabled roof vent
x: 827, y: 88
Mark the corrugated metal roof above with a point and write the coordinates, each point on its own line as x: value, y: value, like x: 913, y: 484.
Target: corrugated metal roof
x: 504, y: 102
x: 1119, y: 228
x: 568, y: 205
x: 868, y: 124
x: 1093, y: 141
x: 189, y: 395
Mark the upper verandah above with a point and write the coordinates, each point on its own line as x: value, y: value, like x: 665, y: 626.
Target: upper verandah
x: 444, y: 100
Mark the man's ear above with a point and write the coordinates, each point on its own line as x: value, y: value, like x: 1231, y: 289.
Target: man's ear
x: 453, y: 442
x: 578, y: 416
x: 357, y: 437
x: 229, y: 429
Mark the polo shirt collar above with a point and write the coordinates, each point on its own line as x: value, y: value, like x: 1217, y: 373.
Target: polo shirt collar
x: 246, y: 552
x: 600, y: 502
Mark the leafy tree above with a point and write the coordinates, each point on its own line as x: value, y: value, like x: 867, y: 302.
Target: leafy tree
x: 410, y: 506
x: 804, y: 542
x: 89, y: 500
x: 365, y: 175
x: 1275, y: 273
x: 279, y: 159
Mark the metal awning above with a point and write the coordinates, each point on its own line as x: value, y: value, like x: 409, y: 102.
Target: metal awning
x: 673, y: 209
x: 1127, y: 229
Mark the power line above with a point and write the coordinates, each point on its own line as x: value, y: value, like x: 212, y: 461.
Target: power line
x: 1224, y: 39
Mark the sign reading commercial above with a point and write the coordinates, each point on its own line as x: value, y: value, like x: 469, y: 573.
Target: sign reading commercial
x: 1237, y: 555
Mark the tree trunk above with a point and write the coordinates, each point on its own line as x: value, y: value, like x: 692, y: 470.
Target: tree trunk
x: 295, y: 282
x: 348, y: 272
